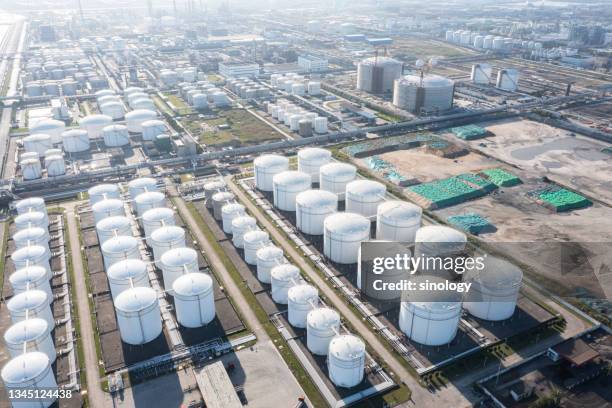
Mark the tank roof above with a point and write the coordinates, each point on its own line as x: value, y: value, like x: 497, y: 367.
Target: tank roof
x: 25, y: 367
x: 158, y: 213
x: 270, y: 160
x: 428, y: 81
x: 302, y: 293
x: 254, y: 236
x: 193, y: 284
x: 439, y: 234
x: 135, y: 299
x: 179, y: 256
x: 314, y: 153
x: 127, y: 268
x: 26, y: 330
x: 285, y: 272
x: 346, y: 223
x: 400, y: 210
x: 316, y: 198
x: 347, y: 347
x: 119, y: 244
x: 323, y: 318
x: 31, y: 273
x: 114, y: 222
x: 27, y: 300
x: 29, y: 252
x: 366, y: 187
x: 269, y: 252
x: 168, y: 233
x: 107, y: 204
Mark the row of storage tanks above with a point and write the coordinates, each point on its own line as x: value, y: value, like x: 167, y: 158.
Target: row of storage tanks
x: 247, y: 88
x: 136, y: 302
x: 29, y: 339
x: 297, y: 119
x: 495, y: 291
x: 202, y: 94
x: 345, y: 352
x: 171, y: 77
x: 507, y: 79
x: 477, y: 40
x: 295, y: 84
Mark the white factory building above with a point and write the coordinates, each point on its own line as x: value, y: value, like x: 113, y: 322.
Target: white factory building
x: 238, y: 69
x: 310, y: 63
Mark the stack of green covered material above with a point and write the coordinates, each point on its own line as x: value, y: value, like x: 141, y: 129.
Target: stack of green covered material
x: 563, y: 200
x: 501, y: 178
x: 453, y: 190
x: 478, y: 181
x: 386, y: 144
x: 469, y: 132
x: 472, y: 223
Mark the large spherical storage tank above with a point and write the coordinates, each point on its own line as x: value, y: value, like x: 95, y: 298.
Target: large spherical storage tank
x: 322, y: 325
x: 152, y: 128
x: 266, y: 167
x: 268, y: 258
x: 364, y: 196
x: 31, y: 169
x: 301, y: 299
x: 31, y: 204
x: 111, y: 227
x: 138, y: 315
x: 253, y: 241
x: 94, y: 124
x: 176, y: 263
x: 431, y: 93
x: 311, y: 159
x: 346, y: 360
x: 228, y: 213
x: 31, y: 370
x: 377, y: 74
x: 398, y: 221
x: 141, y: 185
x: 37, y: 142
x: 118, y: 249
x: 156, y: 218
x: 240, y: 226
x: 55, y: 165
x: 75, y: 141
x: 165, y: 238
x: 31, y: 219
x: 282, y: 278
x: 113, y: 109
x: 31, y: 236
x: 107, y: 208
x: 494, y: 290
x: 219, y: 200
x: 211, y: 188
x: 148, y: 200
x: 126, y: 274
x: 33, y: 255
x: 30, y: 278
x: 343, y: 234
x: 33, y: 303
x: 103, y: 192
x: 115, y: 136
x: 51, y: 127
x: 335, y: 176
x: 137, y: 117
x: 286, y: 186
x: 34, y: 333
x: 311, y: 209
x: 194, y: 300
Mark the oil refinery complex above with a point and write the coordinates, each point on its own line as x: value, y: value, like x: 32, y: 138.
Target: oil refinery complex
x: 200, y: 202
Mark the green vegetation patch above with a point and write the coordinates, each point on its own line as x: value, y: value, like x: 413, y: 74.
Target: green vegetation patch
x: 501, y: 177
x: 469, y: 132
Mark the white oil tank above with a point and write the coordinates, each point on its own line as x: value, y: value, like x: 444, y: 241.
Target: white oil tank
x: 176, y: 263
x: 34, y: 333
x: 252, y: 241
x: 165, y: 238
x: 33, y: 303
x: 282, y: 278
x: 31, y: 220
x: 126, y: 274
x: 343, y: 234
x: 149, y: 200
x: 138, y: 315
x: 194, y: 300
x: 75, y: 141
x: 114, y: 109
x: 31, y: 236
x: 346, y: 360
x: 364, y: 196
x: 240, y: 226
x: 31, y: 370
x: 107, y: 208
x: 136, y: 118
x: 115, y: 136
x: 102, y: 192
x: 322, y: 325
x: 141, y: 185
x: 30, y: 256
x: 31, y: 169
x: 30, y: 278
x: 228, y: 213
x: 219, y: 200
x: 320, y: 125
x: 51, y: 127
x: 311, y: 209
x: 37, y: 142
x: 153, y: 128
x: 94, y: 124
x: 438, y: 240
x: 311, y: 159
x: 266, y: 167
x: 118, y: 249
x: 301, y: 299
x: 31, y: 204
x: 287, y: 185
x: 55, y: 165
x: 335, y: 176
x: 211, y: 188
x: 267, y: 258
x: 398, y: 221
x: 156, y: 218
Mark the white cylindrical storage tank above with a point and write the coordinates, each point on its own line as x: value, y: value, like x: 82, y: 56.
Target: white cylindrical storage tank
x: 294, y: 122
x: 219, y: 200
x: 301, y: 299
x: 494, y: 291
x: 364, y: 196
x: 55, y: 166
x: 398, y: 221
x: 438, y: 240
x: 75, y: 141
x: 200, y: 101
x: 311, y: 159
x: 31, y: 204
x: 322, y: 325
x: 153, y: 128
x: 137, y: 117
x: 156, y: 218
x: 287, y: 185
x: 211, y: 188
x: 31, y: 220
x: 103, y: 192
x: 228, y: 213
x: 107, y: 98
x: 314, y: 88
x: 37, y: 142
x: 343, y: 234
x: 114, y: 109
x: 165, y: 238
x: 141, y: 185
x: 51, y: 127
x: 29, y: 155
x: 118, y: 249
x: 335, y: 176
x: 148, y: 200
x: 115, y: 136
x: 107, y: 208
x: 135, y: 96
x: 346, y: 360
x: 282, y: 278
x: 320, y: 125
x: 31, y: 169
x: 104, y: 92
x: 94, y: 124
x: 30, y: 278
x: 194, y: 300
x: 176, y: 263
x: 252, y: 241
x: 53, y: 152
x: 240, y: 226
x: 35, y: 302
x: 31, y: 236
x: 126, y: 274
x: 33, y: 255
x: 268, y: 258
x: 142, y: 103
x: 138, y: 315
x: 311, y: 209
x: 111, y: 227
x: 30, y: 371
x: 35, y: 333
x: 266, y: 167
